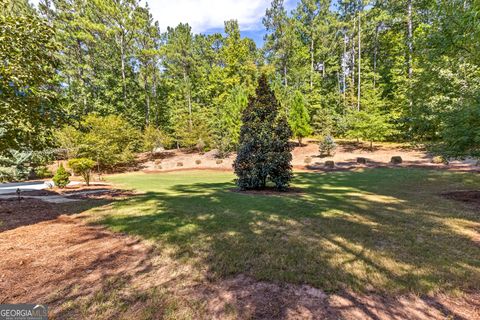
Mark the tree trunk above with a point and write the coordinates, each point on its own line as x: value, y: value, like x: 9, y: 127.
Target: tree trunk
x: 410, y: 52
x: 375, y: 53
x: 189, y: 100
x: 147, y: 101
x: 311, y: 63
x: 122, y: 57
x: 359, y: 57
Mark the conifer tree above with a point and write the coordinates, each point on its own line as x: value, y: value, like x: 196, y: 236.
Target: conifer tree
x: 264, y: 152
x: 299, y: 119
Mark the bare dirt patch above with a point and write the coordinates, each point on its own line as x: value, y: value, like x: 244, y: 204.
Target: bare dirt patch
x: 345, y: 158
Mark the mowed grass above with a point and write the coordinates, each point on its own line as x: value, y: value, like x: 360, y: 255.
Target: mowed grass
x: 387, y: 230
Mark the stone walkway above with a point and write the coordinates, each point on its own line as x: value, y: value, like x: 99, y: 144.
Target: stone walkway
x: 55, y: 198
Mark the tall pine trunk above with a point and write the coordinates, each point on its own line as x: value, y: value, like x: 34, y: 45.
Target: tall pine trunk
x: 410, y: 52
x: 359, y: 57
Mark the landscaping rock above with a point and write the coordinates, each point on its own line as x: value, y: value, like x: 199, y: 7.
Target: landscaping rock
x: 212, y: 154
x: 307, y: 160
x: 329, y: 164
x: 396, y: 160
x: 361, y: 160
x: 439, y: 160
x: 179, y: 164
x: 219, y: 161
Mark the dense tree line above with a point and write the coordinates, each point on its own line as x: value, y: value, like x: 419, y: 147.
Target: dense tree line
x: 368, y: 69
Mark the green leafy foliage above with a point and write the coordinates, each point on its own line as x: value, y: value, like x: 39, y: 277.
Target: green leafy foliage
x: 370, y: 126
x: 154, y: 139
x: 61, y: 178
x: 83, y: 167
x: 16, y: 165
x: 110, y: 141
x: 299, y: 119
x: 28, y: 78
x: 264, y: 151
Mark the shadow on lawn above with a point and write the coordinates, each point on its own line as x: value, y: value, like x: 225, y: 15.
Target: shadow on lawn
x: 373, y: 231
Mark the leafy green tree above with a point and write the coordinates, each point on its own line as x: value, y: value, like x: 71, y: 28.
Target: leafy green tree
x: 28, y: 78
x: 263, y: 152
x: 154, y: 138
x: 370, y: 126
x: 83, y: 167
x: 229, y: 120
x: 299, y: 119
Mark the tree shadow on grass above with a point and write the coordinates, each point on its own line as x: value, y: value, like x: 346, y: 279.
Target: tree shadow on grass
x: 382, y: 231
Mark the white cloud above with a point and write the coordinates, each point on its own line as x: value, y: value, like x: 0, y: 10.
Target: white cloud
x: 202, y: 15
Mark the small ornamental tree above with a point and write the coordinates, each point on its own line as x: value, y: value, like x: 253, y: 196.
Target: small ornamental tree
x: 60, y: 178
x: 299, y: 119
x: 264, y: 152
x: 327, y: 145
x: 83, y: 167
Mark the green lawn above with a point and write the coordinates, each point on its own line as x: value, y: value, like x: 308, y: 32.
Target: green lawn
x: 380, y: 229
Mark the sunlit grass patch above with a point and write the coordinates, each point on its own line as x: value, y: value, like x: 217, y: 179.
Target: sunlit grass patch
x: 380, y: 229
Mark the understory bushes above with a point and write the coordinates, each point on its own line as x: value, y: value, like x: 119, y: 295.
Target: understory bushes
x: 111, y: 141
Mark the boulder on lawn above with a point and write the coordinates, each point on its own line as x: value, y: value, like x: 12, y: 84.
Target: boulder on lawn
x: 396, y: 160
x: 361, y: 160
x: 439, y: 160
x: 329, y: 164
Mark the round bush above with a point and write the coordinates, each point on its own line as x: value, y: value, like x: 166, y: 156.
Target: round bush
x: 439, y: 160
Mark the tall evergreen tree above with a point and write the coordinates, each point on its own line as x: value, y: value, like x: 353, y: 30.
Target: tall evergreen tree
x: 264, y: 152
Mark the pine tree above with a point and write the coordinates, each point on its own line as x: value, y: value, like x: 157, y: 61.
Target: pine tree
x: 299, y: 118
x: 264, y: 152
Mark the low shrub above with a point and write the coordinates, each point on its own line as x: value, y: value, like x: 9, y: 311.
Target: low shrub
x: 439, y: 160
x: 60, y: 178
x: 179, y: 164
x: 43, y: 172
x: 307, y: 160
x: 158, y: 161
x: 327, y: 146
x: 219, y: 161
x: 198, y: 161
